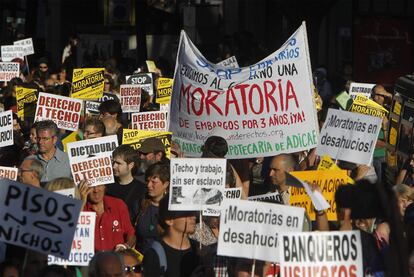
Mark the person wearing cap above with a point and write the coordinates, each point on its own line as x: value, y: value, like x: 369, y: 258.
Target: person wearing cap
x: 152, y: 150
x: 180, y: 251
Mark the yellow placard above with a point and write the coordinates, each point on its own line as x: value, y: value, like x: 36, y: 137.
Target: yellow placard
x: 135, y: 138
x: 164, y: 90
x: 364, y: 105
x: 327, y: 163
x: 26, y: 99
x: 151, y: 66
x: 397, y: 108
x: 327, y: 180
x: 72, y: 137
x: 88, y: 83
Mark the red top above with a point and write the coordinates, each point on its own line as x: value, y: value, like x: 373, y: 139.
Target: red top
x: 113, y: 226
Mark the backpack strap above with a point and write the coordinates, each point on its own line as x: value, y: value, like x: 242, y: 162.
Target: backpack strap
x: 156, y: 245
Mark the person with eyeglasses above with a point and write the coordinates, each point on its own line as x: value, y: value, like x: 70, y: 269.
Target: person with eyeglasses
x: 30, y: 172
x: 94, y: 128
x: 132, y: 264
x: 55, y: 162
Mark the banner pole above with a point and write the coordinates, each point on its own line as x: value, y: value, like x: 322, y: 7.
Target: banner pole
x: 201, y: 226
x: 27, y: 64
x: 253, y: 267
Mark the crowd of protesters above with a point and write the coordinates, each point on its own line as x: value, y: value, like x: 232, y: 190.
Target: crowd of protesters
x: 175, y: 243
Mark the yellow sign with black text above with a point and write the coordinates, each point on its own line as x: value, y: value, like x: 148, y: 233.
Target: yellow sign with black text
x: 135, y: 138
x: 88, y: 83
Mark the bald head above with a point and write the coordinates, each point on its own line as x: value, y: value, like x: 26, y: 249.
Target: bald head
x: 278, y: 166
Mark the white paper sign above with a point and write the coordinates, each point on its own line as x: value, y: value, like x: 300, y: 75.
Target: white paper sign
x: 196, y: 183
x: 229, y: 63
x: 96, y: 147
x: 151, y: 121
x: 67, y: 192
x: 8, y: 173
x: 83, y: 244
x: 27, y: 44
x: 360, y: 88
x: 230, y: 193
x: 64, y: 111
x: 6, y: 128
x: 37, y: 219
x: 143, y: 80
x: 273, y: 197
x: 349, y: 136
x: 321, y: 254
x: 130, y: 98
x: 8, y: 71
x: 252, y: 229
x: 10, y: 52
x: 261, y: 110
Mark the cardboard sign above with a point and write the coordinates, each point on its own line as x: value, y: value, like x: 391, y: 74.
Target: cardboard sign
x: 327, y: 163
x: 151, y: 66
x: 273, y: 197
x: 8, y: 173
x: 88, y: 83
x: 37, y: 219
x: 91, y: 160
x: 26, y: 102
x: 130, y: 98
x: 92, y: 147
x: 83, y: 244
x: 230, y: 193
x: 261, y: 110
x: 315, y: 254
x: 6, y: 128
x: 64, y: 111
x: 327, y: 180
x: 136, y: 137
x: 252, y: 229
x: 196, y: 183
x: 360, y: 88
x: 229, y: 63
x: 9, y: 71
x: 367, y: 106
x: 150, y: 121
x: 164, y: 90
x: 144, y: 80
x: 10, y: 52
x: 97, y: 170
x: 349, y: 136
x: 27, y: 44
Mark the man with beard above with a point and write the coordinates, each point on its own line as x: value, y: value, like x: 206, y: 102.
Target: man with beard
x: 126, y: 187
x: 152, y: 150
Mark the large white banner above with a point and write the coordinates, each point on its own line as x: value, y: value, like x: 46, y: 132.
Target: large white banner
x: 261, y: 110
x: 251, y: 229
x: 349, y: 136
x: 315, y: 254
x: 37, y: 219
x: 196, y: 184
x: 83, y: 244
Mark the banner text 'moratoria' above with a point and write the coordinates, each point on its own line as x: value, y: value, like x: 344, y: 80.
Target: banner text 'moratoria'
x: 244, y: 99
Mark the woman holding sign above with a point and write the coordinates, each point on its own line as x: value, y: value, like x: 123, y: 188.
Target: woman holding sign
x: 158, y: 180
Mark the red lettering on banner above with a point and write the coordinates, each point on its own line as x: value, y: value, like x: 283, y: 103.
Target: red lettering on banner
x: 257, y: 98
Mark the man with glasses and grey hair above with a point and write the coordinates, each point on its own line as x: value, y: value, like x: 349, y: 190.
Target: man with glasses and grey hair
x: 30, y: 172
x: 55, y: 162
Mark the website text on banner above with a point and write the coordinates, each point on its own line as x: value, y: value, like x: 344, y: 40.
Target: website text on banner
x: 37, y: 219
x: 349, y: 136
x: 261, y: 110
x: 314, y: 254
x: 250, y: 229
